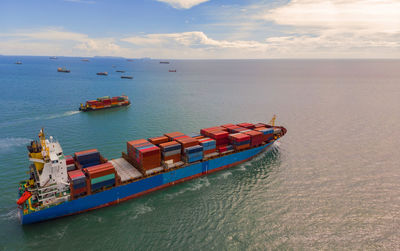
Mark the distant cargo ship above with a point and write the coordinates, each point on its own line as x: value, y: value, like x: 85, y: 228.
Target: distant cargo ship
x: 61, y: 185
x: 85, y: 60
x: 127, y: 77
x: 172, y: 70
x: 120, y: 71
x: 53, y: 58
x: 104, y: 103
x: 18, y: 62
x: 164, y: 62
x: 63, y: 69
x: 102, y: 73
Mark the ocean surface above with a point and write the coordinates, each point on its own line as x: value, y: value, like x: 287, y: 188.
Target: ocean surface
x: 333, y: 181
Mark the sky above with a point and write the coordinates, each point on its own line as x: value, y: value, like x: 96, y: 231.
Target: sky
x: 201, y: 29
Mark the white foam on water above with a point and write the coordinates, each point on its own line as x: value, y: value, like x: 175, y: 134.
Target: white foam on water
x: 140, y: 210
x: 194, y: 186
x: 65, y: 114
x: 44, y: 117
x: 9, y: 143
x: 11, y: 215
x: 226, y: 174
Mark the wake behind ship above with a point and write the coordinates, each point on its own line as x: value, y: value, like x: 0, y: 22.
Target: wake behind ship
x: 61, y: 185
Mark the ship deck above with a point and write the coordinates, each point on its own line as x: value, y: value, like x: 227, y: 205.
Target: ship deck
x: 125, y: 170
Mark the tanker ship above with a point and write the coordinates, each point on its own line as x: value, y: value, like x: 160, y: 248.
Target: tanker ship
x: 61, y: 185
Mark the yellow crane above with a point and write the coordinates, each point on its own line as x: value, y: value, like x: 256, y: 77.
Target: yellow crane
x: 272, y: 121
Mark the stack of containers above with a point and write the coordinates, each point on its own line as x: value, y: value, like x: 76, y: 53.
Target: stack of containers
x: 240, y: 141
x: 101, y: 176
x: 145, y: 155
x: 171, y: 151
x: 77, y: 183
x: 257, y: 138
x: 207, y: 131
x: 247, y: 125
x: 220, y: 137
x: 69, y: 160
x: 158, y: 140
x: 209, y: 145
x: 87, y: 158
x: 268, y: 133
x: 186, y: 142
x: 193, y: 153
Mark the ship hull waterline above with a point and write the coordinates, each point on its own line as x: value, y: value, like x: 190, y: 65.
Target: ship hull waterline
x: 141, y: 187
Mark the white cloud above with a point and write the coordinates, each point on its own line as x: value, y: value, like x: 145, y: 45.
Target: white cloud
x: 190, y: 39
x: 183, y: 4
x: 56, y: 41
x: 349, y: 15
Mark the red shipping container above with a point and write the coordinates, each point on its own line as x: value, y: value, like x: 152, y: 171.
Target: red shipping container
x: 209, y: 151
x: 258, y: 125
x: 85, y: 152
x: 79, y: 191
x: 242, y: 147
x: 69, y: 160
x: 228, y: 125
x: 75, y: 174
x: 158, y: 140
x: 171, y: 135
x: 247, y: 125
x: 175, y: 158
x: 256, y: 137
x: 171, y: 143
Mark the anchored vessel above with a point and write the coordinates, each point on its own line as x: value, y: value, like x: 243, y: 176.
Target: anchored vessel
x: 63, y: 69
x: 61, y: 185
x: 104, y: 103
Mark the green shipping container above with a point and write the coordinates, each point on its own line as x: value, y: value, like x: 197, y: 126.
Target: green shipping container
x: 103, y: 178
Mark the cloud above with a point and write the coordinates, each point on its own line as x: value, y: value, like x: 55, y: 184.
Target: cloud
x: 194, y: 39
x: 183, y: 4
x: 340, y: 16
x: 56, y: 41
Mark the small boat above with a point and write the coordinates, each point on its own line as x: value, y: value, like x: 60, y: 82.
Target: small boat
x: 18, y: 62
x: 129, y: 60
x: 85, y: 60
x: 63, y: 69
x: 172, y: 70
x: 52, y: 57
x: 102, y: 73
x: 120, y: 71
x: 127, y: 77
x: 164, y: 62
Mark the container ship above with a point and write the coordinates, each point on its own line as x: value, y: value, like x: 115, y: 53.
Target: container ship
x: 104, y: 103
x: 61, y: 185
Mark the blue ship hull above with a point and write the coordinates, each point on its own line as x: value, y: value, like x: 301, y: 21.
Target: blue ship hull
x: 140, y: 187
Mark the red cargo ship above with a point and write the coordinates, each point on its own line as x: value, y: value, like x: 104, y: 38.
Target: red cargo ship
x: 104, y: 103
